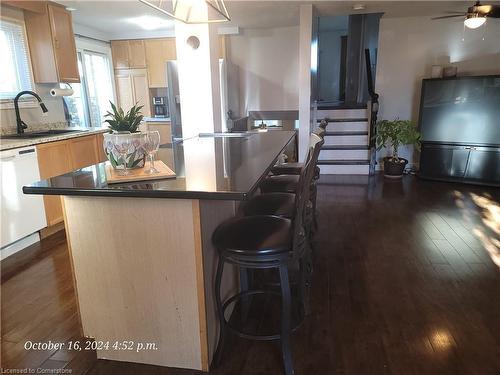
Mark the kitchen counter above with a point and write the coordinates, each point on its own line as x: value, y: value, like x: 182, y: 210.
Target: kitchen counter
x: 8, y: 144
x: 141, y: 253
x: 207, y: 167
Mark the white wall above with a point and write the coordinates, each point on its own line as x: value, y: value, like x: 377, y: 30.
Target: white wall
x: 267, y: 63
x: 409, y: 46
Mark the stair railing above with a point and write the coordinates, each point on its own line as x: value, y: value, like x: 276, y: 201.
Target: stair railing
x: 372, y: 107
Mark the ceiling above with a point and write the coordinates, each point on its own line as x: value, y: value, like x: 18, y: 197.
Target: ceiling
x: 111, y: 18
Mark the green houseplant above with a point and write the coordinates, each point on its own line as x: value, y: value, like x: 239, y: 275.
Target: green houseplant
x: 394, y: 134
x: 124, y: 129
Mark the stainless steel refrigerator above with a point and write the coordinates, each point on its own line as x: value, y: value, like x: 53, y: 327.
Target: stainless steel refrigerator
x: 174, y: 100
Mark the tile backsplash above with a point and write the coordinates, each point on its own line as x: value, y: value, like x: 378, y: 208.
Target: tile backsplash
x: 32, y: 116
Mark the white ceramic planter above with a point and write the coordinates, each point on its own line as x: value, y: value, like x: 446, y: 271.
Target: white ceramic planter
x: 136, y: 156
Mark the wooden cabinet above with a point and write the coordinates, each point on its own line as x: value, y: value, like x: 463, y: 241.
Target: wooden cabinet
x: 119, y: 50
x: 83, y: 152
x: 132, y: 87
x: 52, y: 44
x: 128, y: 54
x: 158, y: 52
x: 101, y: 155
x: 57, y: 158
x: 164, y: 128
x: 53, y: 160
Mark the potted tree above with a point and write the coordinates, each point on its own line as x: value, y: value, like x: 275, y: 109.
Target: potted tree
x: 394, y: 134
x: 123, y: 144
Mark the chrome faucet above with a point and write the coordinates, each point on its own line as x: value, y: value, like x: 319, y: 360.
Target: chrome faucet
x: 20, y: 123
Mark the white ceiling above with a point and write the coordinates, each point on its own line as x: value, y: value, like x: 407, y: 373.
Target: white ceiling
x: 108, y: 19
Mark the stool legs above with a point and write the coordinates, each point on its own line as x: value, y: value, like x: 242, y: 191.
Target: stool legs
x: 220, y: 313
x: 286, y: 319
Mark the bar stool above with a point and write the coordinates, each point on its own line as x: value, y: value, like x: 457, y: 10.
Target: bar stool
x: 263, y: 242
x: 282, y: 202
x: 295, y: 167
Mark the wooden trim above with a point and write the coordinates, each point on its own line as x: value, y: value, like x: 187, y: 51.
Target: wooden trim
x: 32, y: 6
x: 75, y: 286
x: 49, y: 231
x: 200, y: 285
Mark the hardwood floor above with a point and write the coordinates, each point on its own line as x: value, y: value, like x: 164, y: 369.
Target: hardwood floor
x: 405, y: 282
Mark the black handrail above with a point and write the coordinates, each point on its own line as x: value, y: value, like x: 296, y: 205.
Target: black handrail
x: 373, y: 109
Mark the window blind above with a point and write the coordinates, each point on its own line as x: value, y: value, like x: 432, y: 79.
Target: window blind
x: 15, y: 72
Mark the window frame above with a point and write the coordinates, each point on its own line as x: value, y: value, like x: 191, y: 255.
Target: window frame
x: 28, y: 102
x: 90, y: 45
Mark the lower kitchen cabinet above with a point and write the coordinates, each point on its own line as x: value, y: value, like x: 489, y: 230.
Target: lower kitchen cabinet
x: 56, y: 158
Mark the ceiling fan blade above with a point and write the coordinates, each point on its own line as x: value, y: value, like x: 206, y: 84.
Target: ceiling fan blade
x: 451, y: 16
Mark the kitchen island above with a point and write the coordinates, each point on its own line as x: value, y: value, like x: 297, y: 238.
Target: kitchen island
x: 141, y: 252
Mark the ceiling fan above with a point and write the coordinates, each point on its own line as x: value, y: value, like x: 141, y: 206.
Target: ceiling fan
x: 476, y: 15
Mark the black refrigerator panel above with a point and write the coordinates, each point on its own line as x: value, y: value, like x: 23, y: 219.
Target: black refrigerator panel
x: 484, y: 165
x: 443, y: 161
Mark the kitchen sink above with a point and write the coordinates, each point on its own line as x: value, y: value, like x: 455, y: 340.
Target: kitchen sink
x: 45, y: 133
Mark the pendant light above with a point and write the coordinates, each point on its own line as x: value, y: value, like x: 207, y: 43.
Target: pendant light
x: 192, y: 11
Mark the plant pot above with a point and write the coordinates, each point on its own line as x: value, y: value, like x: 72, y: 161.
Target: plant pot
x: 394, y: 169
x: 135, y: 158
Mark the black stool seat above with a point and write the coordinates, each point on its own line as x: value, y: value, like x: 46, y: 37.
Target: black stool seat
x: 278, y: 204
x: 254, y: 235
x: 287, y: 168
x: 286, y: 183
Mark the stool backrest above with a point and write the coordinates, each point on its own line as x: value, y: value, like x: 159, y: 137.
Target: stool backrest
x: 302, y: 194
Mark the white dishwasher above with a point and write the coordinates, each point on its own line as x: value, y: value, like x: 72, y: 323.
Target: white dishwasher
x: 22, y: 215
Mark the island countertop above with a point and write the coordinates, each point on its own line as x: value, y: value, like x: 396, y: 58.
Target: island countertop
x: 221, y: 166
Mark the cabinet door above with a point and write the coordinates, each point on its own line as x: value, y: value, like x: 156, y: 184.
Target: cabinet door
x: 136, y: 54
x: 119, y: 50
x: 484, y: 164
x: 53, y: 160
x: 124, y: 90
x: 141, y: 90
x: 163, y: 128
x: 63, y: 41
x: 39, y: 35
x: 443, y: 161
x: 99, y: 141
x: 83, y: 151
x: 158, y: 52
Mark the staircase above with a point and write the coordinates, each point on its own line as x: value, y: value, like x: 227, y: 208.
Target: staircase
x: 347, y: 140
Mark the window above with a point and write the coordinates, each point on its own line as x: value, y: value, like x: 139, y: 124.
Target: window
x: 15, y: 74
x: 90, y: 100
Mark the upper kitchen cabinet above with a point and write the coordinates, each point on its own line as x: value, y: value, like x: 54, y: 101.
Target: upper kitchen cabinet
x: 128, y: 54
x: 158, y: 52
x: 52, y: 44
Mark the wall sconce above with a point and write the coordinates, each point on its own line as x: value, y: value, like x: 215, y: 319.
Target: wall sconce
x: 192, y: 11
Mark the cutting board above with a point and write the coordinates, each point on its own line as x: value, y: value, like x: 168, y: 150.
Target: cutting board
x: 139, y: 174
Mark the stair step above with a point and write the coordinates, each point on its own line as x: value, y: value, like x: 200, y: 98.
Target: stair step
x: 343, y: 162
x: 342, y: 113
x: 346, y: 133
x: 333, y: 107
x: 345, y: 147
x: 326, y: 169
x: 344, y: 120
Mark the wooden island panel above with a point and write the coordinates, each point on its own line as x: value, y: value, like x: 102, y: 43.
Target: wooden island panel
x: 144, y: 271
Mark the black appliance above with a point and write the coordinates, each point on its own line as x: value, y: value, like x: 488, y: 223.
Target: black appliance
x: 160, y: 106
x: 460, y: 126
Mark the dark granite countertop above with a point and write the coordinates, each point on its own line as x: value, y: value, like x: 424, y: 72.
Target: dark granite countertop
x: 207, y: 167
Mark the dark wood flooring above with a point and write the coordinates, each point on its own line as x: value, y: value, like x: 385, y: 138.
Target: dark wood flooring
x: 407, y: 281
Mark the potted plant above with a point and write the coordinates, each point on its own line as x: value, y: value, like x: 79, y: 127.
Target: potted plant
x: 394, y: 134
x: 124, y: 129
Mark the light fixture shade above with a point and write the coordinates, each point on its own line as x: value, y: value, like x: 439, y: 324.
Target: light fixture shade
x: 192, y: 11
x: 473, y: 21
